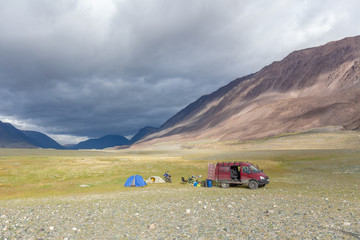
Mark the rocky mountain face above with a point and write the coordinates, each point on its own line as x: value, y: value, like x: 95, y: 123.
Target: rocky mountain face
x: 11, y: 137
x: 103, y: 142
x: 310, y: 88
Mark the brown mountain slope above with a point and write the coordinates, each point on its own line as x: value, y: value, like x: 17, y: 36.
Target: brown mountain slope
x: 310, y: 88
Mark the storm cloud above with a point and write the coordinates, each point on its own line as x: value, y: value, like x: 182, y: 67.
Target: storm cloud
x: 87, y: 68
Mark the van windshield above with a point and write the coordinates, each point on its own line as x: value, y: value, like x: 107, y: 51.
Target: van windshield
x: 254, y: 169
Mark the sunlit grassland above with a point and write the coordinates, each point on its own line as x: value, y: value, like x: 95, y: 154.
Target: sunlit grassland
x: 311, y: 163
x: 31, y: 173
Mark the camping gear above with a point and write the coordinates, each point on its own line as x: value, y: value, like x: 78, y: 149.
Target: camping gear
x: 167, y: 177
x: 198, y: 178
x: 209, y: 182
x: 183, y: 180
x: 195, y: 178
x: 204, y: 183
x: 192, y: 179
x: 155, y: 179
x: 135, y: 181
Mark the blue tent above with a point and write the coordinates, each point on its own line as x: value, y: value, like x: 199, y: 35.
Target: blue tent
x: 135, y: 181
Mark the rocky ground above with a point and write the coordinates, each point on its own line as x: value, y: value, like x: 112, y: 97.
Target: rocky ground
x: 183, y: 213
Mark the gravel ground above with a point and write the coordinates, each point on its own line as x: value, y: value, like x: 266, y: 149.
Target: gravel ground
x: 182, y: 213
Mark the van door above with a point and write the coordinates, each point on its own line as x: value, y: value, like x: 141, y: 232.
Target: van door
x: 246, y: 174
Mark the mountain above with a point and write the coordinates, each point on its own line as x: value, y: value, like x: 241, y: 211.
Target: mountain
x: 11, y: 137
x: 41, y: 140
x: 143, y: 132
x: 103, y: 142
x: 310, y: 88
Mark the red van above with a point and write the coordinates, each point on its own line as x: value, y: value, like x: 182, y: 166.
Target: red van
x: 227, y: 173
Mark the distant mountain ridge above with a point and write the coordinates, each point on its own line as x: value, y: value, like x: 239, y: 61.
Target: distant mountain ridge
x: 309, y: 88
x: 103, y: 142
x: 11, y: 137
x: 42, y: 140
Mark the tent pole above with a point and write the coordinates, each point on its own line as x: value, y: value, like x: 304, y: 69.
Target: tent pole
x: 133, y: 182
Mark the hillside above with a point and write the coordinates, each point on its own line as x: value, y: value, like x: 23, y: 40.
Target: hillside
x: 143, y: 132
x: 310, y: 88
x: 41, y: 140
x: 11, y: 137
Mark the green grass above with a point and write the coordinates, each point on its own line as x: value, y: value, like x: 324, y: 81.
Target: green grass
x: 333, y: 167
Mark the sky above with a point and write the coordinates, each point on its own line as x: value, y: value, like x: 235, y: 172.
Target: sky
x: 79, y: 69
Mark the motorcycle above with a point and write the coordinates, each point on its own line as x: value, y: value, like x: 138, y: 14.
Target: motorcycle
x: 167, y: 177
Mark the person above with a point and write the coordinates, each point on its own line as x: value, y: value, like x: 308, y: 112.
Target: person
x: 234, y: 173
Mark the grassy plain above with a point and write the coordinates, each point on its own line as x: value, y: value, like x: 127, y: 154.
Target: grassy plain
x: 313, y: 162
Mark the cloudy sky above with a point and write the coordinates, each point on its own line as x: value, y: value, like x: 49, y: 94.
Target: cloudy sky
x: 77, y: 69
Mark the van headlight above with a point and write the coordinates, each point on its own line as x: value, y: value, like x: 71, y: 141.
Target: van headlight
x: 262, y: 178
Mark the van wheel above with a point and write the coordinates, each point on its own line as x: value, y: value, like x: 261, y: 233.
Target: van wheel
x: 224, y: 185
x: 253, y: 184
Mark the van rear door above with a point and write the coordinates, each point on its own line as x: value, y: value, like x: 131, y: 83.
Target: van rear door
x: 223, y: 173
x: 211, y: 171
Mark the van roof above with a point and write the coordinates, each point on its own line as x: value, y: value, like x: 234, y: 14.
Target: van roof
x: 233, y: 164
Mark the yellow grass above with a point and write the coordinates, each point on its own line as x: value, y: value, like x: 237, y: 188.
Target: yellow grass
x: 318, y: 162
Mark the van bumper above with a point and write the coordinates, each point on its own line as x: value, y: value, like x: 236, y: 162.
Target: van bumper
x: 264, y: 181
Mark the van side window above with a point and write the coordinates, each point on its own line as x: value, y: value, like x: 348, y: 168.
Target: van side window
x: 246, y: 169
x: 224, y: 169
